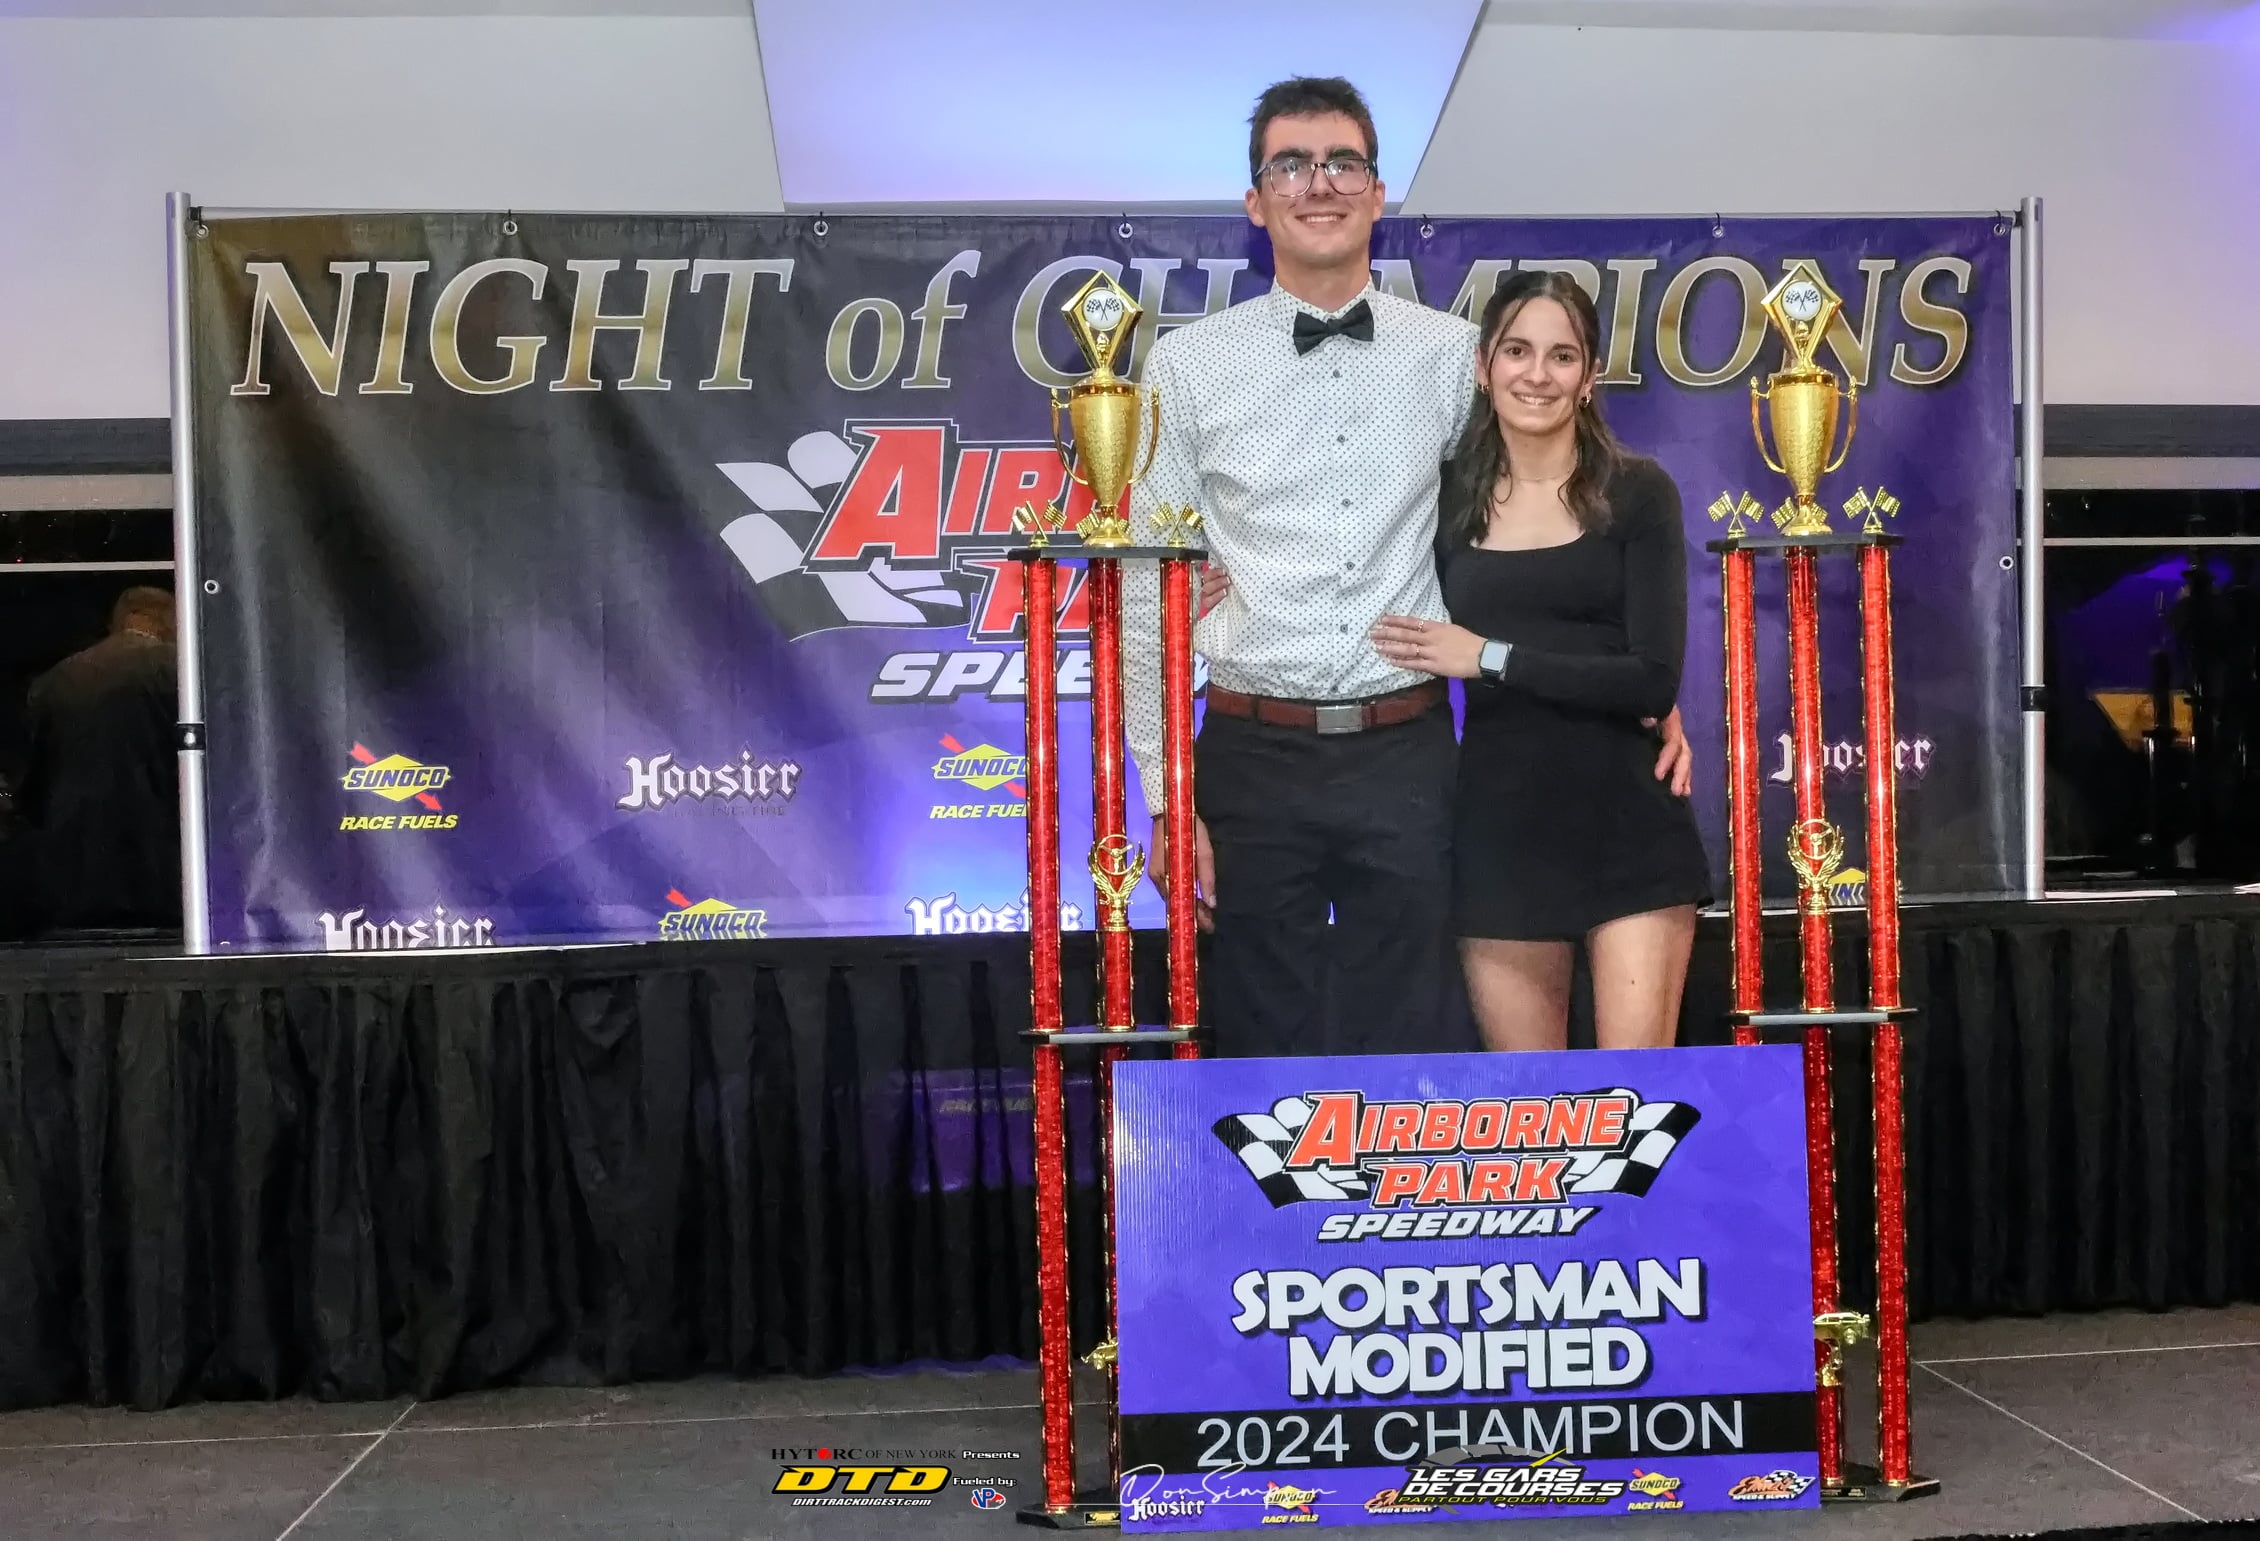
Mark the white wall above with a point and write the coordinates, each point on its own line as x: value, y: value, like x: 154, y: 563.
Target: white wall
x: 100, y: 118
x: 2146, y: 152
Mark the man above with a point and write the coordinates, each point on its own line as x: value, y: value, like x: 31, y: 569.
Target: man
x: 100, y: 801
x: 1308, y: 426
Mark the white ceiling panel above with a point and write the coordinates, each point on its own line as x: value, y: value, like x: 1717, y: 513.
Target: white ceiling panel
x: 887, y: 101
x: 2192, y: 20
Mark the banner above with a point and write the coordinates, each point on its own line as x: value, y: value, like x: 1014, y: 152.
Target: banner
x: 1469, y: 1287
x: 574, y: 578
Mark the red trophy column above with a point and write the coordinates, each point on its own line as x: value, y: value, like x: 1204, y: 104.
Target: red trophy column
x: 1111, y: 852
x: 1745, y: 867
x: 1893, y: 1453
x: 1810, y: 840
x: 1177, y: 817
x: 1055, y: 1346
x: 1108, y: 834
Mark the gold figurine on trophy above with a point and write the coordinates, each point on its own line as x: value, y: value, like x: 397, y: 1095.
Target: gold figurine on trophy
x: 1117, y: 864
x: 1105, y: 409
x: 1801, y: 398
x: 1816, y: 851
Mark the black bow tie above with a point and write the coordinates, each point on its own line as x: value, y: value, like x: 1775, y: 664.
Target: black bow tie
x: 1356, y: 322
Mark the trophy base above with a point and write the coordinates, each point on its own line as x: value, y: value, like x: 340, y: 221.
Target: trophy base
x: 1762, y: 1020
x: 1105, y: 1037
x: 1825, y: 540
x: 1079, y: 551
x: 1089, y: 1511
x: 1863, y: 1485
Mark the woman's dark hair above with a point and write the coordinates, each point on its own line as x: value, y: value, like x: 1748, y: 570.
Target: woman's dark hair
x: 1481, y: 458
x: 1308, y: 96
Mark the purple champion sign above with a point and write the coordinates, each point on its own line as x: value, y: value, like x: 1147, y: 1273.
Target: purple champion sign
x: 1480, y: 1287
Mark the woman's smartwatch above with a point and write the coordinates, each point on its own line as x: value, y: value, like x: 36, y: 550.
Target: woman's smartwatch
x: 1491, y: 662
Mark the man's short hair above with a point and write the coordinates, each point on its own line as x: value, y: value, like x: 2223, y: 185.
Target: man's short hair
x: 1308, y: 96
x: 152, y: 607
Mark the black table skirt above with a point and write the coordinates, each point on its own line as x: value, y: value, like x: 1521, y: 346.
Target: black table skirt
x: 359, y: 1177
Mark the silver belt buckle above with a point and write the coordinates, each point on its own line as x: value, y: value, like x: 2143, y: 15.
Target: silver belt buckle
x: 1341, y: 716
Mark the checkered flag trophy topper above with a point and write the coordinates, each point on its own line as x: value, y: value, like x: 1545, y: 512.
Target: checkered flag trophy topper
x: 1263, y: 1141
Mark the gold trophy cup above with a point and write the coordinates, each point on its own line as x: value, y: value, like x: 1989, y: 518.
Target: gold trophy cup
x: 1801, y: 398
x: 1105, y: 410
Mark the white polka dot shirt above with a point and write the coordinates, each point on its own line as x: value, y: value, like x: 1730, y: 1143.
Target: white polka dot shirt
x: 1316, y: 475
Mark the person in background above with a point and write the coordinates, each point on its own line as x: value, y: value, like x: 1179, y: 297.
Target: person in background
x: 1308, y: 426
x: 1565, y: 572
x: 99, y: 804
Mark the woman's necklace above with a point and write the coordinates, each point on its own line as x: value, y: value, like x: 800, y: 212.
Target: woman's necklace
x: 1504, y: 485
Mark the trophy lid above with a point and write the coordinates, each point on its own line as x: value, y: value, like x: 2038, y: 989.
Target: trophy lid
x: 1102, y: 316
x: 1802, y: 308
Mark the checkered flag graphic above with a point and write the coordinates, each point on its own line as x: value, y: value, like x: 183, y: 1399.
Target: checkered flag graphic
x: 771, y: 543
x: 1262, y: 1141
x: 1655, y: 1130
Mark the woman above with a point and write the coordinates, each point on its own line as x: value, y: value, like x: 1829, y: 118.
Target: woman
x: 1565, y: 575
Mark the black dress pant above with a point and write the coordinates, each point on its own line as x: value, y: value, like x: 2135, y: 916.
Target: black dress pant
x: 1352, y: 826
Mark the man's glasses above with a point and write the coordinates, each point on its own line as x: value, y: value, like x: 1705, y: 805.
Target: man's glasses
x: 1291, y: 176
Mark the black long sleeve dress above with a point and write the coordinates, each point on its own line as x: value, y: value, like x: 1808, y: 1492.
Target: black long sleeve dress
x: 1561, y: 824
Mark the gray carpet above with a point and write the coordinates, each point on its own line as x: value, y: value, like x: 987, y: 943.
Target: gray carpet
x: 2116, y: 1425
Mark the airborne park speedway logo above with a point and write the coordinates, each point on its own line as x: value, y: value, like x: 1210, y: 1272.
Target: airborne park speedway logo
x: 1491, y: 1167
x: 904, y: 524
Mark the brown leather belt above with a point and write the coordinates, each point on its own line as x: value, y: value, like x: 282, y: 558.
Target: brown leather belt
x: 1331, y: 716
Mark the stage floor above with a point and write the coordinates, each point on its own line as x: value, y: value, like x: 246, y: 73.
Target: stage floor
x: 2033, y: 1425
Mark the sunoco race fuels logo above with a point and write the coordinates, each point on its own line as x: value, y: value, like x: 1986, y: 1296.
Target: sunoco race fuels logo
x: 710, y: 920
x: 985, y: 768
x: 396, y: 779
x: 1656, y: 1491
x: 1434, y: 1162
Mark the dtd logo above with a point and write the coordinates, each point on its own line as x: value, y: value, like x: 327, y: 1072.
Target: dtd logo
x: 861, y: 1479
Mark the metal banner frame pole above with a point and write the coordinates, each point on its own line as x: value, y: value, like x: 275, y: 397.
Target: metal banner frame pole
x: 188, y: 590
x: 2031, y: 552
